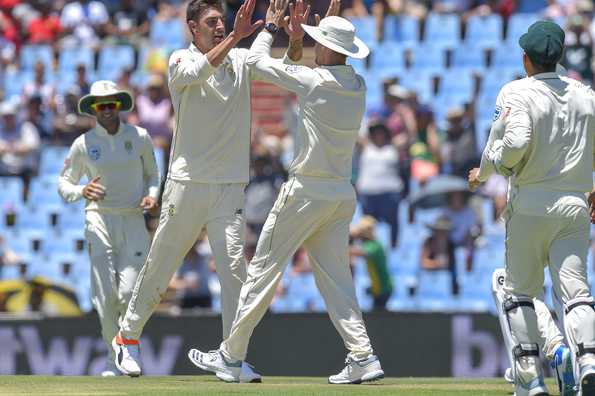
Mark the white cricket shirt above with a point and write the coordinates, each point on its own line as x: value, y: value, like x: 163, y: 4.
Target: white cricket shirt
x: 542, y: 137
x: 125, y: 161
x: 331, y: 107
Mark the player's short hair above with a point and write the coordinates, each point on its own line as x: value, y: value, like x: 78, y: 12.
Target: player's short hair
x: 198, y: 7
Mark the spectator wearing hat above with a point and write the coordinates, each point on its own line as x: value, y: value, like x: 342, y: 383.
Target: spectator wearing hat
x: 438, y: 251
x: 372, y: 251
x: 19, y: 144
x: 69, y: 124
x: 458, y: 152
x: 379, y: 184
x: 155, y: 112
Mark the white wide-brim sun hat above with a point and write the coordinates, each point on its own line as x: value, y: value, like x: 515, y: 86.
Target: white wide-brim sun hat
x: 101, y: 89
x: 338, y: 34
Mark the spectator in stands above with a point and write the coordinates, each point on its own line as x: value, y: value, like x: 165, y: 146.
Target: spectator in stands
x: 155, y: 112
x: 129, y: 24
x: 84, y: 22
x: 379, y: 185
x: 40, y: 87
x: 19, y: 144
x: 425, y: 150
x: 191, y: 281
x: 41, y: 119
x: 68, y: 122
x: 46, y: 28
x: 438, y: 251
x: 262, y: 191
x: 373, y: 252
x: 8, y: 28
x: 81, y: 79
x: 458, y: 152
x: 578, y: 55
x: 465, y: 224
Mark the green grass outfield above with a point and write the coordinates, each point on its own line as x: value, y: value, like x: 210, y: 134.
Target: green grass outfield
x: 208, y: 385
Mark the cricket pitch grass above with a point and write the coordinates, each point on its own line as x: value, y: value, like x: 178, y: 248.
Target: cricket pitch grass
x: 290, y: 386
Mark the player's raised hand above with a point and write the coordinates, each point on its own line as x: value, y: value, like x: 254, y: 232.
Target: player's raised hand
x: 243, y: 25
x: 473, y: 179
x: 94, y: 191
x: 333, y: 10
x: 276, y: 12
x: 298, y: 15
x: 149, y: 204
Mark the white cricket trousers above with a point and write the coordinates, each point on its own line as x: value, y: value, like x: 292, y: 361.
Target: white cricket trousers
x: 188, y: 207
x: 560, y: 241
x: 315, y: 213
x: 118, y: 245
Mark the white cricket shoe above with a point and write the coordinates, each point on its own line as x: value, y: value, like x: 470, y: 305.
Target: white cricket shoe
x: 214, y: 362
x: 127, y: 356
x: 247, y: 374
x: 110, y: 369
x: 587, y: 375
x: 356, y: 372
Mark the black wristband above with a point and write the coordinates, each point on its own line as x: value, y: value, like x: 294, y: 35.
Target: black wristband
x: 271, y: 28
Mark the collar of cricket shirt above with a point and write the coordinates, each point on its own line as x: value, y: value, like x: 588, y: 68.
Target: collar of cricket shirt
x: 546, y: 76
x: 101, y: 131
x: 227, y: 61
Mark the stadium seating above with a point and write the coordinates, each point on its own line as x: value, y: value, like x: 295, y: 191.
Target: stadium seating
x: 443, y: 30
x: 428, y: 58
x: 468, y: 59
x: 484, y: 31
x: 402, y: 29
x: 31, y: 54
x: 168, y: 33
x: 114, y: 59
x: 70, y: 58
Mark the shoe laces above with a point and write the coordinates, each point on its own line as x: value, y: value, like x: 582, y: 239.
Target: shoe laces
x: 213, y: 354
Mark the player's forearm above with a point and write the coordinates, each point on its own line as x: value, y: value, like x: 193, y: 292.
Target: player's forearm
x: 69, y: 191
x: 295, y: 50
x: 218, y: 54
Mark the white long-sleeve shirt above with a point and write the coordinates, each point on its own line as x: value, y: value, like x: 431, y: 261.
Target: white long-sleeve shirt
x: 543, y: 138
x: 212, y: 109
x: 124, y: 161
x: 331, y: 107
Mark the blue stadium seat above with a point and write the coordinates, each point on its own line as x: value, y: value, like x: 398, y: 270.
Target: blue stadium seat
x: 70, y: 58
x: 31, y: 54
x: 531, y: 6
x: 12, y: 192
x: 114, y: 59
x: 456, y: 82
x: 387, y: 60
x: 434, y: 285
x: 517, y: 26
x: 43, y: 191
x: 484, y: 31
x: 52, y: 160
x: 401, y: 29
x: 38, y: 219
x: 13, y: 83
x: 484, y: 106
x: 507, y: 57
x: 429, y: 58
x: 493, y: 80
x: 443, y: 30
x: 468, y: 58
x: 167, y: 33
x: 420, y: 81
x: 441, y: 104
x: 365, y: 28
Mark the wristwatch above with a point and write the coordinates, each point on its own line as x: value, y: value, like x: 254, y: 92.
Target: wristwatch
x: 271, y: 28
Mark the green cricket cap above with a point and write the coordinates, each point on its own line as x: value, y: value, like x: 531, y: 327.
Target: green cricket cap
x: 543, y: 42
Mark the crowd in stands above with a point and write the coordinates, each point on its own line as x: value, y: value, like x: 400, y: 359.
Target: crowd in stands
x: 433, y: 76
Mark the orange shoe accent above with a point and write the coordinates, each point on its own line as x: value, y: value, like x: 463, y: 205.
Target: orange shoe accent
x: 125, y: 341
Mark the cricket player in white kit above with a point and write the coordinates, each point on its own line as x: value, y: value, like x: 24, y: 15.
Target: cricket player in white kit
x: 209, y: 169
x: 119, y: 161
x: 543, y: 139
x: 315, y: 206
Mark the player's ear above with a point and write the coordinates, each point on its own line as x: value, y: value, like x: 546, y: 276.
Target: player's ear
x: 193, y: 26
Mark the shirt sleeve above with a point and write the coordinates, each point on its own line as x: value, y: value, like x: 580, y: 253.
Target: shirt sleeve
x: 487, y: 168
x: 186, y: 69
x: 150, y: 168
x: 517, y: 134
x: 294, y: 78
x: 74, y: 169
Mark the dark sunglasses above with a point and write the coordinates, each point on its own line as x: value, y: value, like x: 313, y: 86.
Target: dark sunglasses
x: 114, y: 105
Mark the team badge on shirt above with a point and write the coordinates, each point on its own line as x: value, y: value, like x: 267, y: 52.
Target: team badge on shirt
x: 128, y: 146
x: 171, y: 210
x: 497, y: 113
x: 94, y: 153
x: 292, y: 69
